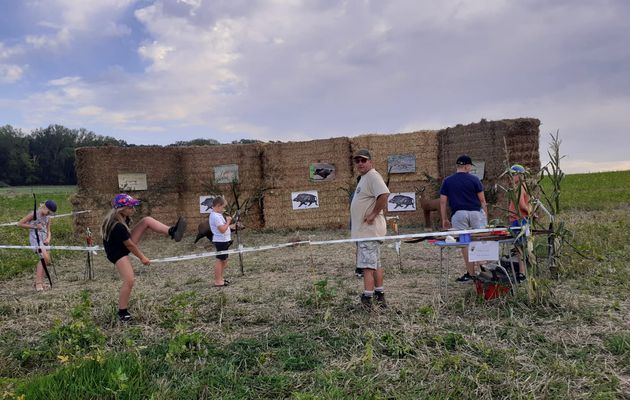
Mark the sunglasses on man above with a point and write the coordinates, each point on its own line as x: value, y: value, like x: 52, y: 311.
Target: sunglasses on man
x: 360, y: 160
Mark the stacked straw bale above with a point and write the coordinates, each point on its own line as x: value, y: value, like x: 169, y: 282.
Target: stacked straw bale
x: 488, y: 141
x: 178, y: 176
x: 424, y: 146
x: 286, y: 167
x: 97, y: 175
x: 198, y: 167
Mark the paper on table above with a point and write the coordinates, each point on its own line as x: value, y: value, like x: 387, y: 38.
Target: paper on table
x: 483, y: 251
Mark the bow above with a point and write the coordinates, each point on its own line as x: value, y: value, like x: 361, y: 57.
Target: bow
x: 39, y: 249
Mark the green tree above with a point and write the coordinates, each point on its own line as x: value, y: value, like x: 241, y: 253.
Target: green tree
x: 16, y: 165
x: 196, y: 142
x: 246, y: 141
x: 52, y: 151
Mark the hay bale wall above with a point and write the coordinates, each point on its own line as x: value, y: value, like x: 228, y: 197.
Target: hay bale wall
x: 286, y: 167
x: 424, y: 146
x: 488, y: 141
x: 177, y: 176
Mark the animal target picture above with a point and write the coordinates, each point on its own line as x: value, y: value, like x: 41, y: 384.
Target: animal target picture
x: 322, y: 172
x: 405, y: 201
x: 304, y: 200
x: 205, y: 204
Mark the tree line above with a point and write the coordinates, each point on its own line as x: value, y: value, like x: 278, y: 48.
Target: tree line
x: 46, y: 155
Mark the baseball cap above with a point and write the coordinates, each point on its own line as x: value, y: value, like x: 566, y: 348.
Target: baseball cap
x: 124, y: 200
x: 517, y: 169
x: 363, y: 153
x: 51, y: 205
x: 464, y: 160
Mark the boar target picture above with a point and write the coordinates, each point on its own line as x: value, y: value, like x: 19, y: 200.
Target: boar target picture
x: 205, y: 204
x: 304, y: 200
x: 322, y: 172
x: 401, y: 201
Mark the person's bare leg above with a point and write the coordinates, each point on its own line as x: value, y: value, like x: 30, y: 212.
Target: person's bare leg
x: 39, y: 271
x: 147, y: 223
x: 368, y: 279
x: 470, y: 267
x: 378, y: 277
x: 128, y: 278
x: 219, y: 267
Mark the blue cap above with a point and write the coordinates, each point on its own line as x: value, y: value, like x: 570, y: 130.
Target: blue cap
x: 51, y: 205
x: 517, y: 169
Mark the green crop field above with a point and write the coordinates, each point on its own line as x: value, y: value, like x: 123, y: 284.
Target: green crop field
x: 291, y: 326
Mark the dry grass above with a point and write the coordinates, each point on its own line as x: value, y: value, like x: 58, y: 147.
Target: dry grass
x: 418, y: 347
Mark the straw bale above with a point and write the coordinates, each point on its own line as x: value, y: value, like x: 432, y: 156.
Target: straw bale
x: 422, y: 144
x: 487, y: 141
x: 333, y: 211
x: 286, y: 165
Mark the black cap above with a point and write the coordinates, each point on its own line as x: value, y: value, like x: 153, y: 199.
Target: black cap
x: 464, y: 160
x: 363, y: 153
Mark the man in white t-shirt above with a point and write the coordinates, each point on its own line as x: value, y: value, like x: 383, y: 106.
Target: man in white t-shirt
x: 367, y: 220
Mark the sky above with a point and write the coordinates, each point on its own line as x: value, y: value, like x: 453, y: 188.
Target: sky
x: 161, y: 71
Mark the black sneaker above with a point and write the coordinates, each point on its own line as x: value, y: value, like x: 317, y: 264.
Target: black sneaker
x: 177, y: 231
x: 464, y: 278
x: 124, y: 316
x: 366, y: 301
x: 379, y: 299
x: 520, y: 277
x: 358, y: 272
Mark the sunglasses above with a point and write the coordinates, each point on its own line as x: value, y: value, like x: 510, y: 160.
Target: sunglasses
x: 360, y: 160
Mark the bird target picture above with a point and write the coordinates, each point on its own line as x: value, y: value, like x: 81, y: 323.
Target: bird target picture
x: 322, y: 172
x: 405, y: 201
x: 304, y: 200
x: 226, y: 173
x: 401, y: 163
x: 205, y: 204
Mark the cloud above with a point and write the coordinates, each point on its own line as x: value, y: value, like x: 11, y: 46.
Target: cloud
x: 10, y: 73
x: 277, y: 70
x: 570, y: 166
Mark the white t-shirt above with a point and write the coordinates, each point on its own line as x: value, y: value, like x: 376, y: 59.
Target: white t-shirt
x: 215, y: 219
x: 368, y: 189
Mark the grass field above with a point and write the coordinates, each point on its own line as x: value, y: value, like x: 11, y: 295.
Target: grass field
x: 291, y: 327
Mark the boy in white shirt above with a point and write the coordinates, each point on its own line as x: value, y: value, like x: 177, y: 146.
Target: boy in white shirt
x: 221, y: 238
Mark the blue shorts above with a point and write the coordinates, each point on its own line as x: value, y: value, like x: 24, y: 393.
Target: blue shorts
x: 519, y: 223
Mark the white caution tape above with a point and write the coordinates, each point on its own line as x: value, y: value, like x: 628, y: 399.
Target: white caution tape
x: 242, y: 249
x: 412, y: 236
x: 72, y: 248
x: 52, y: 216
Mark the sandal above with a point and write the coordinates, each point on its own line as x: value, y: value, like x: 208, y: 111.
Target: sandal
x: 225, y: 283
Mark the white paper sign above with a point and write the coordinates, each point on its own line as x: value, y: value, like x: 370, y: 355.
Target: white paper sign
x: 483, y: 251
x: 478, y: 169
x: 132, y: 182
